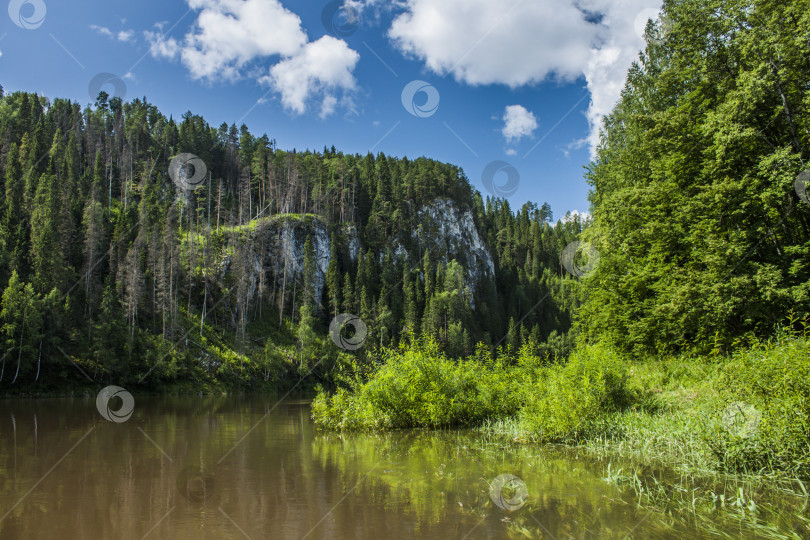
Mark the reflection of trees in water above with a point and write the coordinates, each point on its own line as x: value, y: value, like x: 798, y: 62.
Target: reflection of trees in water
x: 285, y: 477
x: 116, y: 483
x: 444, y: 477
x: 441, y: 476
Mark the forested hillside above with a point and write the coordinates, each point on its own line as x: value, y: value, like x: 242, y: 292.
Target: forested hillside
x: 693, y: 333
x: 132, y: 244
x: 109, y: 266
x: 701, y: 215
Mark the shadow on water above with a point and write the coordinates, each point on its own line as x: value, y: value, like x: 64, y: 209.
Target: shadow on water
x: 244, y: 467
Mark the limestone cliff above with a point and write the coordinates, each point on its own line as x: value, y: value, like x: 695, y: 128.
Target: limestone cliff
x: 276, y: 246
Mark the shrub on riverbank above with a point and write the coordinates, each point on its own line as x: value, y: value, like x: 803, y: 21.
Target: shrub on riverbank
x: 765, y: 424
x: 570, y: 398
x: 749, y: 412
x: 418, y: 386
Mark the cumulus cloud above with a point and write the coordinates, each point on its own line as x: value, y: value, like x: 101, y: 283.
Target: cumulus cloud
x: 322, y: 65
x: 231, y: 38
x: 161, y: 47
x: 122, y: 35
x: 328, y: 106
x: 576, y: 214
x: 484, y: 42
x: 607, y: 67
x: 522, y: 43
x: 518, y: 122
x: 230, y: 33
x: 101, y: 30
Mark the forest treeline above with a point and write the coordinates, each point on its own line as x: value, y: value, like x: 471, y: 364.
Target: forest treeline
x: 700, y: 224
x: 692, y: 346
x: 701, y: 213
x: 109, y: 266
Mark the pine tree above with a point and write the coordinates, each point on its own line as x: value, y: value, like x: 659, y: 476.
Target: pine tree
x: 45, y: 253
x: 333, y: 278
x: 12, y: 227
x: 307, y: 338
x: 309, y: 275
x: 21, y: 317
x: 411, y: 308
x: 349, y: 302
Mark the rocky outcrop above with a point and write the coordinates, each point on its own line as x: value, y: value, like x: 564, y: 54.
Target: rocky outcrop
x: 275, y: 251
x: 449, y: 232
x: 276, y: 246
x: 282, y: 244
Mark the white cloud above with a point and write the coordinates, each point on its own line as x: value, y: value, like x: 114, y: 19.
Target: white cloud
x: 231, y: 39
x: 607, y: 68
x: 122, y: 35
x: 101, y: 30
x: 485, y: 42
x: 525, y: 42
x: 569, y: 216
x: 228, y: 34
x: 160, y: 47
x: 328, y: 106
x: 518, y: 122
x: 574, y: 145
x: 320, y: 67
x: 511, y: 152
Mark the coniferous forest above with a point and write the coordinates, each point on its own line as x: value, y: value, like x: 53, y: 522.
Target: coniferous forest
x: 645, y: 365
x: 692, y: 303
x: 110, y: 267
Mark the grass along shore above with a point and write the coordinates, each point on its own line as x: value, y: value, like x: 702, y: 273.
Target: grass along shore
x: 747, y: 413
x: 734, y: 430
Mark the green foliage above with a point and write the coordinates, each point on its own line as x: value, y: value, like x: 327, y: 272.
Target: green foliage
x: 419, y: 386
x: 21, y: 328
x: 763, y: 421
x: 746, y: 413
x: 702, y: 236
x: 570, y: 398
x: 141, y: 259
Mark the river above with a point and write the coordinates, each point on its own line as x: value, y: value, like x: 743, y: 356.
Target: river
x: 254, y: 467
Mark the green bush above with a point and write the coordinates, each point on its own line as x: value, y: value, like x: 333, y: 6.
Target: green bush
x: 763, y: 418
x: 418, y: 386
x: 748, y: 412
x: 571, y: 398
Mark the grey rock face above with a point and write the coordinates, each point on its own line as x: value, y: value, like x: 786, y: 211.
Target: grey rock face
x: 449, y: 232
x: 276, y: 246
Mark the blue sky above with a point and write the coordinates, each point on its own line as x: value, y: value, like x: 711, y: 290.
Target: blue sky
x: 524, y: 82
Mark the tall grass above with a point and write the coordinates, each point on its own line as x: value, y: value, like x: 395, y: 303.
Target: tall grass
x: 747, y: 413
x: 692, y: 419
x: 418, y: 386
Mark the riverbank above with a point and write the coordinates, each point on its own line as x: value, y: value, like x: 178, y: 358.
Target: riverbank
x: 73, y: 388
x: 728, y: 428
x: 747, y: 413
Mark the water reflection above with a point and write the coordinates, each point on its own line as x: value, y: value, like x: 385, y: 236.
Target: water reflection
x: 218, y: 467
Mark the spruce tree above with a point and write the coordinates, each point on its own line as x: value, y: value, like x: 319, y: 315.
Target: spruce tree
x: 333, y: 278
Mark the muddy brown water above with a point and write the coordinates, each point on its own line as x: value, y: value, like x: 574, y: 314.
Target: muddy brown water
x: 254, y: 467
